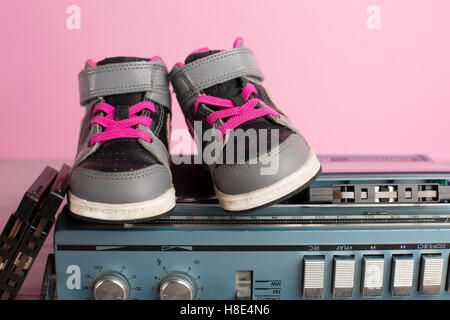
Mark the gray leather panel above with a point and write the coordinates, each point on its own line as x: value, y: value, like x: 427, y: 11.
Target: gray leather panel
x: 117, y: 78
x: 189, y: 80
x: 84, y: 149
x: 120, y: 187
x: 242, y: 178
x: 284, y: 121
x: 156, y: 148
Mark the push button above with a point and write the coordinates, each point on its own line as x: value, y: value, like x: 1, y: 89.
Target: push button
x: 343, y: 276
x: 313, y: 275
x: 372, y: 276
x: 402, y: 275
x: 431, y: 274
x: 244, y: 281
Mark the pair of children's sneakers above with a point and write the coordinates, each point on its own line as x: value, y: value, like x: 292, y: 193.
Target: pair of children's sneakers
x: 255, y: 156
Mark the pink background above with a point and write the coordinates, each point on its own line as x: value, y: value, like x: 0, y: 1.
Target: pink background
x: 348, y: 89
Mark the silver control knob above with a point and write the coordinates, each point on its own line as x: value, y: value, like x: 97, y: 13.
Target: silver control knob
x: 177, y: 285
x: 111, y: 285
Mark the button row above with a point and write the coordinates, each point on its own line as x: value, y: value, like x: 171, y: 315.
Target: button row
x: 372, y: 277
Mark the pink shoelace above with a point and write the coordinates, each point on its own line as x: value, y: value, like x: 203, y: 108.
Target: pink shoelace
x: 236, y: 115
x: 115, y: 129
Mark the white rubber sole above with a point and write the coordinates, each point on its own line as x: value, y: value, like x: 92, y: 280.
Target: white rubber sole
x: 269, y: 194
x: 125, y: 211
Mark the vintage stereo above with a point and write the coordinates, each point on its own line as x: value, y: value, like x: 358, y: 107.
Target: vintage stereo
x: 370, y: 227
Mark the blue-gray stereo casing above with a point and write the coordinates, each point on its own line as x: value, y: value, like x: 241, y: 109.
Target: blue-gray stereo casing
x: 282, y: 252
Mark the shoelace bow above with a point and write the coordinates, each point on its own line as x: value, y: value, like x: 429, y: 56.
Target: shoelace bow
x: 236, y: 115
x: 115, y: 129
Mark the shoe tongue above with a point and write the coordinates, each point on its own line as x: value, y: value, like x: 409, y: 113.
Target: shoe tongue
x: 199, y: 54
x: 123, y: 101
x: 120, y: 60
x: 228, y: 90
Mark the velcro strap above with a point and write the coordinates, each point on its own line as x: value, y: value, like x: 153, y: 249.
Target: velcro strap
x: 206, y: 72
x: 117, y: 78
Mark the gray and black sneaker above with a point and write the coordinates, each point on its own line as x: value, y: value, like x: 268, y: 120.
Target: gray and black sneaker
x: 122, y: 168
x: 256, y: 157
